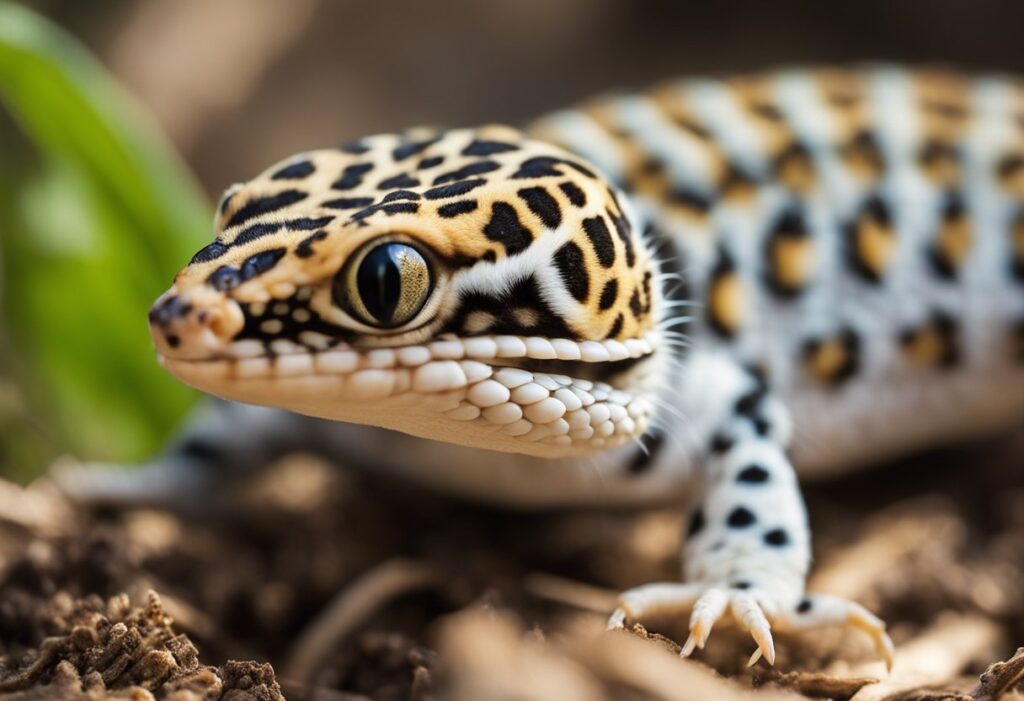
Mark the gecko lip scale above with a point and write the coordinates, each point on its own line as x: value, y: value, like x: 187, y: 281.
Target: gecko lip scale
x: 472, y: 385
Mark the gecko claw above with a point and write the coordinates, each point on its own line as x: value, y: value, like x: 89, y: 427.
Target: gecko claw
x: 617, y: 620
x: 871, y: 624
x: 765, y: 645
x: 688, y: 646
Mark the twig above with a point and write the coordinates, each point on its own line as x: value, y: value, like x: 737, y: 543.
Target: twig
x: 350, y: 608
x: 936, y: 656
x: 571, y: 593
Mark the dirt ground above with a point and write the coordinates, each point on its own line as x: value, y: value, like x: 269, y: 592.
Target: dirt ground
x: 312, y: 582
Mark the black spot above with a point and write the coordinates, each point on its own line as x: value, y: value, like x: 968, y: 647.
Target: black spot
x: 478, y: 168
x: 601, y: 240
x: 793, y: 153
x: 265, y: 205
x: 307, y: 224
x: 753, y: 474
x: 652, y: 166
x: 864, y: 145
x: 209, y: 252
x: 543, y: 205
x: 741, y: 517
x: 169, y: 309
x: 571, y: 266
x: 722, y: 443
x: 736, y: 178
x: 305, y: 247
x: 431, y: 162
x: 489, y: 256
x: 580, y: 168
x: 348, y: 203
x: 295, y: 171
x: 652, y: 443
x: 401, y: 195
x: 260, y: 263
x: 505, y: 228
x: 502, y: 304
x: 254, y: 232
x: 352, y: 176
x: 1010, y: 165
x: 453, y: 190
x: 688, y: 125
x: 398, y: 181
x: 354, y: 147
x: 226, y: 200
x: 172, y: 340
x: 691, y: 199
x: 634, y: 304
x: 767, y: 111
x: 749, y: 404
x: 411, y: 149
x: 616, y: 328
x: 480, y: 147
x: 697, y: 523
x: 804, y: 606
x: 933, y: 152
x: 624, y: 230
x: 388, y: 209
x: 576, y: 196
x: 454, y: 209
x: 199, y: 449
x: 741, y: 584
x: 947, y: 109
x: 777, y: 537
x: 224, y: 278
x: 538, y: 167
x: 609, y: 294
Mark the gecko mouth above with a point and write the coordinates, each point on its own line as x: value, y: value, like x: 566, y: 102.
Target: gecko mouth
x: 535, y: 395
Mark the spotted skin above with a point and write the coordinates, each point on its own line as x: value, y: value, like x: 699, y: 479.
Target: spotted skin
x: 700, y: 290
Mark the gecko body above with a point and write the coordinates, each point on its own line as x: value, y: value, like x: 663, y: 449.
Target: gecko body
x: 678, y: 294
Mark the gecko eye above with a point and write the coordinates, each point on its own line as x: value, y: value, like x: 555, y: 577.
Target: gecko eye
x: 385, y: 285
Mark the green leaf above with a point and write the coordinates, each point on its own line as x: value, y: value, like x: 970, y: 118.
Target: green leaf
x: 90, y: 234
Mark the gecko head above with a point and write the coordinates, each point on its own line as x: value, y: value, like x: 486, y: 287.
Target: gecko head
x: 471, y: 286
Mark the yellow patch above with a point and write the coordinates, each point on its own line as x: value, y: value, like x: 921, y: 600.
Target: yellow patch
x: 792, y: 262
x: 925, y: 347
x: 954, y: 241
x: 874, y: 245
x: 727, y: 303
x: 827, y: 360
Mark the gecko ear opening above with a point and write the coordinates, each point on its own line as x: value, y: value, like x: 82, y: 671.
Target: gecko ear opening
x: 385, y: 285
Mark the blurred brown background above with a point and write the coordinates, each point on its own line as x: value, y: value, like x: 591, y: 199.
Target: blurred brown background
x: 239, y: 84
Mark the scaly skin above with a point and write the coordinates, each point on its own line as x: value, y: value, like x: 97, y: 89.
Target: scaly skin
x: 643, y: 298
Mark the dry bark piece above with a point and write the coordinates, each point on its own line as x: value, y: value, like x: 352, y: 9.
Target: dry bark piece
x: 112, y: 650
x: 1000, y: 678
x: 813, y: 684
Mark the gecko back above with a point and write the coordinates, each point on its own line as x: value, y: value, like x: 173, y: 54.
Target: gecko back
x: 857, y: 235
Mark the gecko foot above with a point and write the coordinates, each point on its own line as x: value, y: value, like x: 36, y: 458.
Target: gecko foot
x: 752, y: 609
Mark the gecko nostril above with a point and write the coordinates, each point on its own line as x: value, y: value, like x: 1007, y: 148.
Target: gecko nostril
x: 169, y: 309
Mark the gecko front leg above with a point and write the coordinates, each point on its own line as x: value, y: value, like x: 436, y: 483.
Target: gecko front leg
x: 747, y: 546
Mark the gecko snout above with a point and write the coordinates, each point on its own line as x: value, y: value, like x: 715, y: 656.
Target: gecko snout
x: 194, y: 325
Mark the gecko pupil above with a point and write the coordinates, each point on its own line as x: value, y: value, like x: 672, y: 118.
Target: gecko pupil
x: 387, y: 286
x: 380, y: 281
